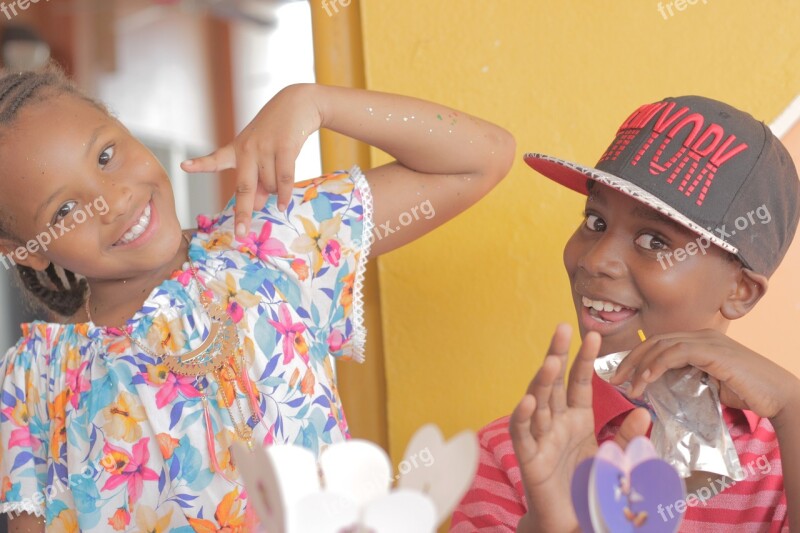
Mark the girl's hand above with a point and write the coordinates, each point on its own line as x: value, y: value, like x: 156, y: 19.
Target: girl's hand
x: 552, y: 430
x: 264, y: 152
x: 747, y: 380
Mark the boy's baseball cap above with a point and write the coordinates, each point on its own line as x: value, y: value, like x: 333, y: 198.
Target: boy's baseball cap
x: 706, y: 165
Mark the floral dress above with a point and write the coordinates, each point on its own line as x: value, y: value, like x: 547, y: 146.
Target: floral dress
x: 97, y: 435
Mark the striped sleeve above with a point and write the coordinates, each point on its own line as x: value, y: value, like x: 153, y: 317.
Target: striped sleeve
x: 496, y: 500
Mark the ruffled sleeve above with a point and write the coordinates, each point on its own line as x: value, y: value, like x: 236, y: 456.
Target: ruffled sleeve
x: 24, y: 423
x: 333, y: 218
x: 316, y: 253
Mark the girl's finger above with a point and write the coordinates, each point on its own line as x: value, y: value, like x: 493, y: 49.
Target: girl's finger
x: 221, y: 159
x: 284, y: 171
x: 246, y: 185
x: 519, y: 426
x: 261, y: 197
x: 579, y: 391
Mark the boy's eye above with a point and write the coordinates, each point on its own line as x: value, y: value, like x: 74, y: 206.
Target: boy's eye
x: 650, y: 242
x: 64, y: 210
x: 105, y: 156
x: 594, y: 222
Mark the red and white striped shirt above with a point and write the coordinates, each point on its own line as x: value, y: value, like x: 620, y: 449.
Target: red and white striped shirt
x: 757, y: 504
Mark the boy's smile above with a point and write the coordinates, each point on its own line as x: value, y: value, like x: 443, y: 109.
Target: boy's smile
x: 619, y: 285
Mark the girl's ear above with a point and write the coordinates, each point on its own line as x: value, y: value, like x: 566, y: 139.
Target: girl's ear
x: 11, y: 253
x: 748, y: 290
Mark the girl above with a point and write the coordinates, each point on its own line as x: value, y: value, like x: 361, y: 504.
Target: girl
x: 175, y: 343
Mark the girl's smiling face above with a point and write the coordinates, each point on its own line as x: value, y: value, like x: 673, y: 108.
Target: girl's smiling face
x: 66, y: 155
x: 617, y: 261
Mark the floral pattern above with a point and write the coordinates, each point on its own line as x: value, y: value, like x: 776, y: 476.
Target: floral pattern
x: 97, y: 435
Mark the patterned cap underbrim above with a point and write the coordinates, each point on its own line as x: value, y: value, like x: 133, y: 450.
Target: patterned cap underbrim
x: 637, y: 193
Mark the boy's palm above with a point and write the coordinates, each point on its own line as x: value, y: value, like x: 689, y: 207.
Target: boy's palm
x: 552, y: 430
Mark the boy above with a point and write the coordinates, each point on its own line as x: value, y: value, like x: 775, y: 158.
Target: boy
x: 688, y: 213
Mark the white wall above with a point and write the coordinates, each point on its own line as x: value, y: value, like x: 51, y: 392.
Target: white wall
x: 265, y: 61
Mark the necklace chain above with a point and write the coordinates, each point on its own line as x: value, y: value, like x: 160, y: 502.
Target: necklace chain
x: 219, y: 364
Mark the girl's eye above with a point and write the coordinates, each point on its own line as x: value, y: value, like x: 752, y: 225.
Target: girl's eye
x: 650, y: 242
x: 594, y: 222
x: 64, y: 210
x: 105, y: 157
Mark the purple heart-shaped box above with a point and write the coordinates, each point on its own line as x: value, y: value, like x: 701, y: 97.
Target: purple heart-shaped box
x: 632, y: 491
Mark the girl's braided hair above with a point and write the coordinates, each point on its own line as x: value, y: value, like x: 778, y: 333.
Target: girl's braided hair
x: 58, y: 289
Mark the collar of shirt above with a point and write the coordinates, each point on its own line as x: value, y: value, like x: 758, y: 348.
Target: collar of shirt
x: 609, y: 405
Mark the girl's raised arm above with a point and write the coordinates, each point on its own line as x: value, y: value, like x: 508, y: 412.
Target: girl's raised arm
x: 446, y: 160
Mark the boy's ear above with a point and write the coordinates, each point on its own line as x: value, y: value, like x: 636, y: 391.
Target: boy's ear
x: 749, y: 289
x: 12, y: 251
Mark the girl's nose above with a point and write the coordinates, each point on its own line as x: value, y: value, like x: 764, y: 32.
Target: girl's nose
x: 120, y: 203
x: 604, y: 257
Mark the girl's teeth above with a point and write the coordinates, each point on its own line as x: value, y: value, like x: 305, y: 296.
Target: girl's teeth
x: 598, y: 306
x: 138, y: 228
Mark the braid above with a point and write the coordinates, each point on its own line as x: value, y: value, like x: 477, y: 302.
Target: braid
x: 51, y: 273
x: 65, y: 302
x: 16, y: 91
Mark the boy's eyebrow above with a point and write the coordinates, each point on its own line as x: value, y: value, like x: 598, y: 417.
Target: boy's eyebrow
x: 651, y: 214
x: 48, y: 201
x: 640, y: 211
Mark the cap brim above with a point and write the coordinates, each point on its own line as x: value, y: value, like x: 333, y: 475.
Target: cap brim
x: 575, y: 177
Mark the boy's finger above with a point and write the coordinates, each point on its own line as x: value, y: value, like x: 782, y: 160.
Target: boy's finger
x: 221, y: 159
x: 520, y: 428
x: 668, y: 355
x: 579, y: 391
x: 635, y: 424
x: 630, y: 362
x: 542, y: 389
x: 246, y: 185
x: 559, y: 346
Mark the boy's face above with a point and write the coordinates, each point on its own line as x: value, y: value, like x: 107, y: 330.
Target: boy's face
x: 79, y: 170
x: 623, y: 259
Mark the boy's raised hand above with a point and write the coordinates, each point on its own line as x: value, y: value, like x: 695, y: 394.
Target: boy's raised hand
x: 264, y: 153
x: 552, y: 431
x: 747, y: 379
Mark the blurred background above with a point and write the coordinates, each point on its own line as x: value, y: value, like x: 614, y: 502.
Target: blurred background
x: 459, y: 320
x: 183, y: 76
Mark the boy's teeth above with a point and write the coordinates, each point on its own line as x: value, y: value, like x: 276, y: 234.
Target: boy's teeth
x: 601, y: 305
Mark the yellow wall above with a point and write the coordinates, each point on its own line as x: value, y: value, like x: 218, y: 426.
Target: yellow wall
x: 468, y: 310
